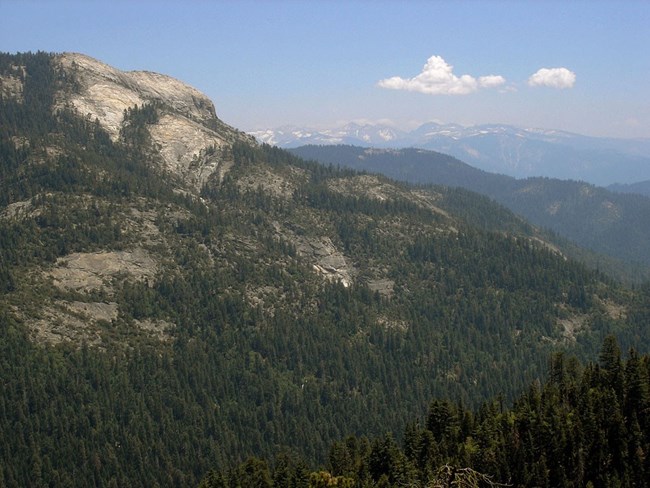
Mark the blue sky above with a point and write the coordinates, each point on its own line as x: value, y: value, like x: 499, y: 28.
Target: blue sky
x: 270, y: 63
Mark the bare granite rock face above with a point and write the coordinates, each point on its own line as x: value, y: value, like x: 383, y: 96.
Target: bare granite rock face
x: 273, y: 182
x: 11, y: 87
x: 85, y: 272
x: 88, y: 322
x: 18, y: 210
x: 93, y: 322
x: 326, y: 259
x: 377, y: 188
x: 191, y: 141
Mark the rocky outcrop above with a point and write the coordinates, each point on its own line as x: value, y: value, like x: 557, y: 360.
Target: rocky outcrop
x: 11, y: 87
x: 326, y: 259
x: 191, y: 141
x: 85, y: 272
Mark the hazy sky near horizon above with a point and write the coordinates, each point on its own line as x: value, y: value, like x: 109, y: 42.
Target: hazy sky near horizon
x: 581, y: 66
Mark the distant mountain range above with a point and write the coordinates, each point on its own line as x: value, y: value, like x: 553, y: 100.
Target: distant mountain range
x: 503, y: 149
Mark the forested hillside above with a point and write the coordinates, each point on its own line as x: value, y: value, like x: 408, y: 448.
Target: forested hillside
x: 153, y: 329
x: 614, y: 225
x: 584, y: 426
x: 640, y: 188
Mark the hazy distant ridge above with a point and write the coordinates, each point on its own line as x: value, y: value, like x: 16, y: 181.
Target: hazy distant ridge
x: 513, y: 151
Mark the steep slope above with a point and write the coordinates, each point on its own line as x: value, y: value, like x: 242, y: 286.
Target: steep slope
x: 152, y: 328
x: 611, y: 224
x: 186, y: 133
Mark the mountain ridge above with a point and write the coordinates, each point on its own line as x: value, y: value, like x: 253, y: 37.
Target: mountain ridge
x: 495, y: 148
x: 607, y: 222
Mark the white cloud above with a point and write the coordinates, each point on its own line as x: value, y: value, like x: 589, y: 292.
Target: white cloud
x: 437, y: 78
x: 491, y: 81
x: 553, y: 77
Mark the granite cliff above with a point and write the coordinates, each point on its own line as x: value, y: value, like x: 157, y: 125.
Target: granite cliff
x: 188, y: 137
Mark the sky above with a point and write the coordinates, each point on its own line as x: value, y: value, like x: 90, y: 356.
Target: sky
x: 579, y: 66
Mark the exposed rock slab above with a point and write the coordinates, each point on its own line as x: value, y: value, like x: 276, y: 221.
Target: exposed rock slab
x: 85, y: 272
x: 189, y: 149
x: 383, y: 286
x: 326, y: 259
x: 87, y: 322
x: 56, y: 325
x: 11, y: 87
x: 184, y: 136
x: 18, y: 210
x: 273, y: 183
x: 105, y: 92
